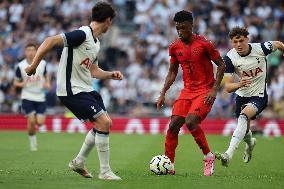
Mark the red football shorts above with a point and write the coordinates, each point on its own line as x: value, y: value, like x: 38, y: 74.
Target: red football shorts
x: 183, y: 107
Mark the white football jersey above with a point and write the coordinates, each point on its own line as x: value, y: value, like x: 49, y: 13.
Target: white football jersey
x: 253, y: 66
x: 79, y: 53
x: 33, y: 90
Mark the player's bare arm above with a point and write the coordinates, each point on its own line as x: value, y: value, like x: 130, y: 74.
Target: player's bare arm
x: 278, y: 45
x: 231, y: 86
x: 98, y: 73
x: 171, y: 76
x: 219, y: 76
x: 46, y: 83
x: 19, y: 84
x: 46, y: 46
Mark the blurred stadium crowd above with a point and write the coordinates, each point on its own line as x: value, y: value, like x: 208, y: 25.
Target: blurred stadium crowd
x: 137, y: 45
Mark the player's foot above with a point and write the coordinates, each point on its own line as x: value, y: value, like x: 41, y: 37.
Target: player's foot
x: 172, y: 171
x: 109, y: 176
x: 79, y: 168
x: 209, y: 165
x: 225, y: 159
x: 248, y: 150
x: 33, y: 148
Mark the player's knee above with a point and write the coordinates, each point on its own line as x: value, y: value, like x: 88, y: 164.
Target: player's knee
x: 31, y: 131
x: 174, y: 128
x: 40, y: 122
x: 107, y: 123
x: 191, y: 122
x: 32, y: 122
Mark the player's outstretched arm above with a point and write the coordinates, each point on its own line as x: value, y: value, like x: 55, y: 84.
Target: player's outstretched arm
x: 48, y: 44
x: 278, y: 45
x: 98, y: 73
x: 170, y: 78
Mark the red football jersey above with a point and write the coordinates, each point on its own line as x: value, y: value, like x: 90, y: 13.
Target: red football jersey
x: 195, y: 60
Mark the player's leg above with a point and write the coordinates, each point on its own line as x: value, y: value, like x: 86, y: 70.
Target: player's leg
x: 28, y: 109
x: 239, y: 133
x: 40, y: 113
x: 198, y: 112
x: 259, y: 103
x: 248, y: 108
x: 171, y: 140
x: 82, y: 106
x: 31, y: 121
x: 180, y: 109
x: 103, y: 124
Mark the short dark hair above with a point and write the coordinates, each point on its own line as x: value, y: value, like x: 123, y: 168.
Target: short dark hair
x: 183, y: 15
x: 102, y: 11
x: 31, y: 44
x: 238, y: 31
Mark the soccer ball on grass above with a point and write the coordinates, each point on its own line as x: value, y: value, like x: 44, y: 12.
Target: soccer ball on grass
x: 160, y: 165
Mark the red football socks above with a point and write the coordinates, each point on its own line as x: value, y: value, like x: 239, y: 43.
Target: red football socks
x: 200, y: 139
x: 171, y: 143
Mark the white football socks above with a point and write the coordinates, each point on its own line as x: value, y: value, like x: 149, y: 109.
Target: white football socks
x: 86, y: 147
x: 248, y: 137
x: 102, y: 144
x: 33, y: 142
x: 238, y: 135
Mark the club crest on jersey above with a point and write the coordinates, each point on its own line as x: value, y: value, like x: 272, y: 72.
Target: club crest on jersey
x: 86, y: 62
x: 195, y: 51
x: 252, y: 73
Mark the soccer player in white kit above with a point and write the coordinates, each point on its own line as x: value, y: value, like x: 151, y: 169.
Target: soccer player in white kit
x: 246, y: 62
x: 32, y: 93
x: 77, y: 68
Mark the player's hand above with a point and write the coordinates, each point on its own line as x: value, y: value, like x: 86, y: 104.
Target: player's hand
x: 116, y: 75
x: 30, y: 70
x: 210, y: 97
x: 245, y: 82
x: 160, y: 101
x: 47, y: 86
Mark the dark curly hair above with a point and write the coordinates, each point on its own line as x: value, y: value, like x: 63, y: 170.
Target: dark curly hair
x: 102, y: 11
x: 238, y: 31
x: 183, y: 15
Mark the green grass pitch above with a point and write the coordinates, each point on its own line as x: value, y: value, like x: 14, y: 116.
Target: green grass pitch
x: 130, y: 156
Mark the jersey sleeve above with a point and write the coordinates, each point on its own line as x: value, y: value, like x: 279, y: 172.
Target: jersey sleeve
x: 230, y: 69
x: 173, y: 58
x: 18, y: 74
x: 267, y: 47
x: 212, y: 51
x: 74, y: 38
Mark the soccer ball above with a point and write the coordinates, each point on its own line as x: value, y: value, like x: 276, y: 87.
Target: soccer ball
x: 160, y: 165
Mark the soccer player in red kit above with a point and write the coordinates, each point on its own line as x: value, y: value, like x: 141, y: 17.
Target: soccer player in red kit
x: 194, y: 53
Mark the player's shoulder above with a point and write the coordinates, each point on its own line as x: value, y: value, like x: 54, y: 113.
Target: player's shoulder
x: 260, y: 48
x: 22, y: 63
x: 43, y: 62
x: 201, y: 39
x: 232, y: 54
x: 174, y: 44
x: 86, y: 29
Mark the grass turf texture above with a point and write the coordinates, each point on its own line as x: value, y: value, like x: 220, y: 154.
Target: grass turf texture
x: 130, y: 156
